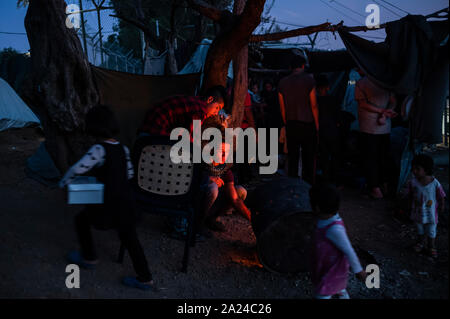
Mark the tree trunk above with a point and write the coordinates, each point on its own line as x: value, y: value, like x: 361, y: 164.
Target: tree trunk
x: 61, y: 85
x: 240, y: 73
x: 200, y: 30
x: 235, y: 31
x: 172, y: 67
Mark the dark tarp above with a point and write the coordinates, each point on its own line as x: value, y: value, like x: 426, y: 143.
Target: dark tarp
x: 40, y: 167
x: 427, y: 113
x: 407, y: 56
x: 319, y: 61
x: 330, y: 61
x: 131, y: 95
x: 410, y: 62
x: 14, y: 69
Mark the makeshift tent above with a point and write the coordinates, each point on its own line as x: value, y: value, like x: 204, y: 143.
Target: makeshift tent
x: 413, y: 60
x: 197, y: 61
x: 40, y: 167
x: 13, y: 111
x: 131, y: 95
x: 154, y: 62
x: 406, y: 63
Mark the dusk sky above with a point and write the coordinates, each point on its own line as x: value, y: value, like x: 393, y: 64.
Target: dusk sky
x: 288, y: 13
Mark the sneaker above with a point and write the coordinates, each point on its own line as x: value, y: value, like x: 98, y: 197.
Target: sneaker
x: 74, y: 257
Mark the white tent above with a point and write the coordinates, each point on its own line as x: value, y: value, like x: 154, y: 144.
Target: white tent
x: 13, y: 111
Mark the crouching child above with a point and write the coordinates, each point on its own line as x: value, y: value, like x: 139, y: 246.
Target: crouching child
x: 219, y: 192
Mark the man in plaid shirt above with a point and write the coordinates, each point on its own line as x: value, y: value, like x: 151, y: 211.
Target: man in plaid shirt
x: 181, y: 111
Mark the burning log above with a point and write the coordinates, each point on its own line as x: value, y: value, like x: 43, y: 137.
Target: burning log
x: 282, y: 221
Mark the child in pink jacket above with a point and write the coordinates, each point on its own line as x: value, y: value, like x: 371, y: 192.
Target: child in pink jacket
x: 333, y: 253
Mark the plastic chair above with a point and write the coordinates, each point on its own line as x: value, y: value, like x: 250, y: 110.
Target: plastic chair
x: 163, y: 187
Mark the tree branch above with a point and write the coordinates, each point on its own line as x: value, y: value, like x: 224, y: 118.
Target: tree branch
x: 205, y: 9
x: 323, y: 27
x: 291, y: 33
x: 362, y: 28
x: 139, y: 25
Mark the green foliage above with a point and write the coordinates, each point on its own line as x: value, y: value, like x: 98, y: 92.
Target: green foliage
x: 8, y: 53
x: 184, y: 28
x: 22, y: 3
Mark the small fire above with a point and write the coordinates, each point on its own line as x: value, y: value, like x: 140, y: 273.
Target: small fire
x: 249, y: 260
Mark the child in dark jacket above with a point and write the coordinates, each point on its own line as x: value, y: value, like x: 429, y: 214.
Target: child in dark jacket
x: 109, y: 162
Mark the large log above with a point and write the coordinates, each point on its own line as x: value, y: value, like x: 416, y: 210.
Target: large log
x: 283, y: 222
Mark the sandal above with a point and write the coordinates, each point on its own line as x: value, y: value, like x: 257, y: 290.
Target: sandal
x: 134, y: 283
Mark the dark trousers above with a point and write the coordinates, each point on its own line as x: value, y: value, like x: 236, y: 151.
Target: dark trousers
x: 375, y: 158
x: 328, y: 157
x: 301, y: 134
x: 127, y: 236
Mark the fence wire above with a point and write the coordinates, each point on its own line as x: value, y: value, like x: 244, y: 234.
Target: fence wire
x: 102, y: 51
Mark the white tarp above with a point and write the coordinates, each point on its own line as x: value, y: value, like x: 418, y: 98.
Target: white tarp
x: 349, y: 103
x: 13, y: 111
x: 197, y: 61
x: 154, y: 62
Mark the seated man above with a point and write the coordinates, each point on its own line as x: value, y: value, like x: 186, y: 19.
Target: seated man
x: 220, y: 194
x: 180, y: 112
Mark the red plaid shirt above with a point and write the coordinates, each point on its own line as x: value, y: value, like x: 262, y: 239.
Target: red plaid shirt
x: 176, y: 111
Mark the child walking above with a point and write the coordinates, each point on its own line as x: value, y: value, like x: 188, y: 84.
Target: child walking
x: 332, y: 250
x: 109, y: 162
x: 427, y: 198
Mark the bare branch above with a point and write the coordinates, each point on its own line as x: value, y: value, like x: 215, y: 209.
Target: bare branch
x: 323, y: 27
x: 205, y: 9
x: 134, y: 22
x: 362, y: 28
x: 291, y: 33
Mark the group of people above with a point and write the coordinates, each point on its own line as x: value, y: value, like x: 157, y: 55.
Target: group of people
x: 310, y: 119
x: 110, y: 162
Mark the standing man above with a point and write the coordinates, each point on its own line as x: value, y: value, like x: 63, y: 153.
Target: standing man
x: 180, y: 112
x: 329, y: 109
x: 300, y: 113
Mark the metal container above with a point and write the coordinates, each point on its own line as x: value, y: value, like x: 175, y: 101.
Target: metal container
x: 85, y: 190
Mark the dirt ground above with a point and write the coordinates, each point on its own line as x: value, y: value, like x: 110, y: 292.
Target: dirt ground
x: 36, y: 232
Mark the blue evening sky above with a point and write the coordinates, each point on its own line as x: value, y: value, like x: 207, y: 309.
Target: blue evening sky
x: 289, y: 13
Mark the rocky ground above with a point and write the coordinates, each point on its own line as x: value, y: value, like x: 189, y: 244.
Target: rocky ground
x: 36, y: 231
